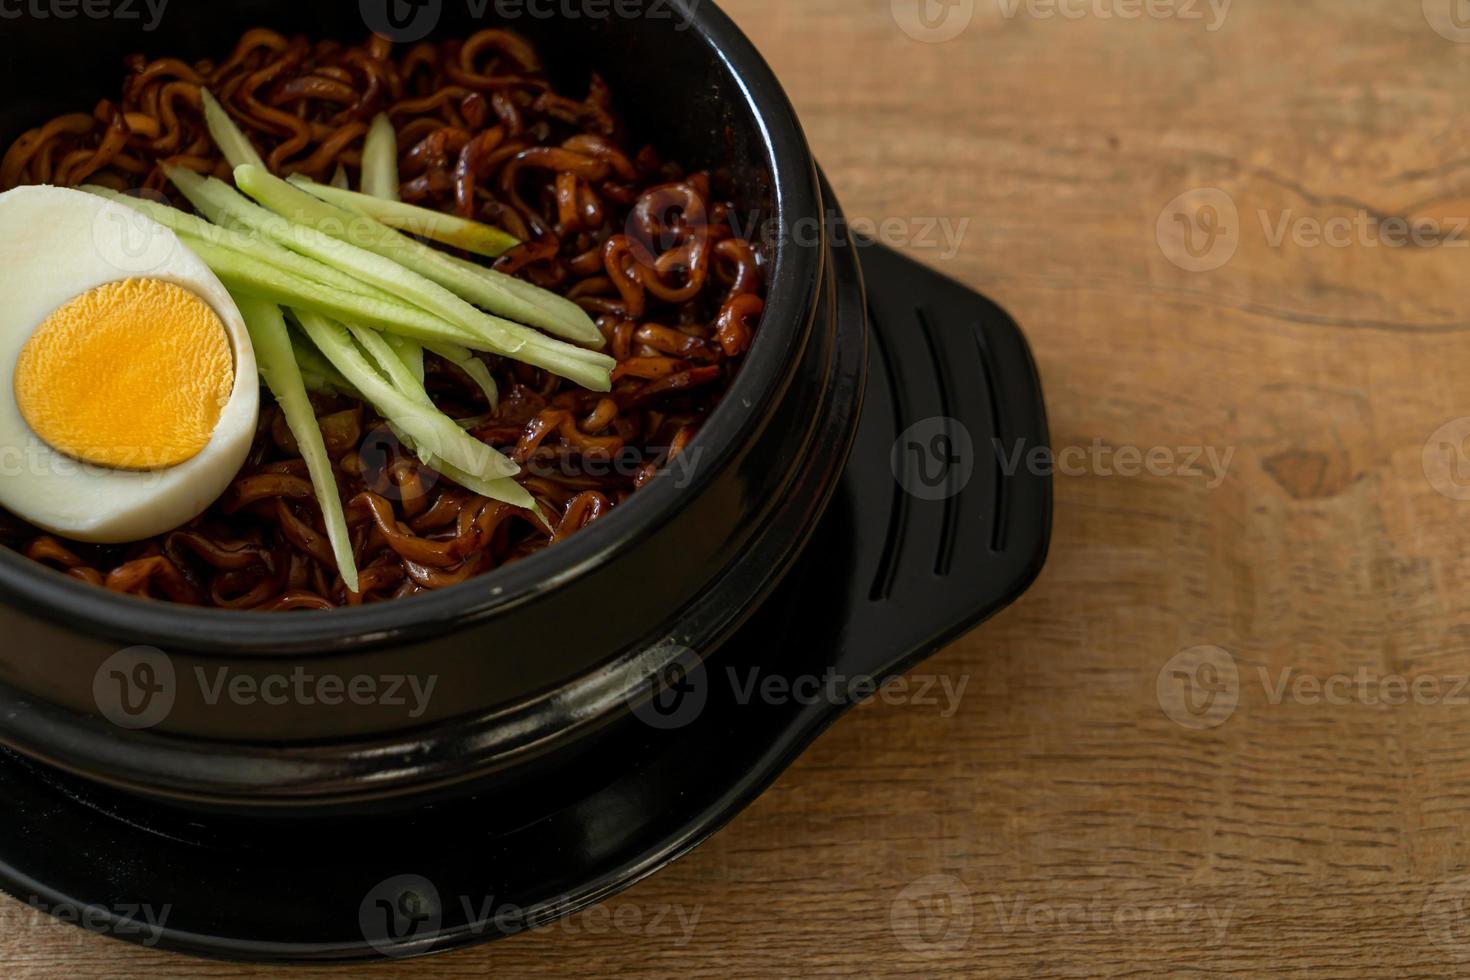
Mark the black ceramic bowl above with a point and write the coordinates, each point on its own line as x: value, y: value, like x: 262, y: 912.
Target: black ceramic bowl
x: 592, y: 715
x: 526, y: 659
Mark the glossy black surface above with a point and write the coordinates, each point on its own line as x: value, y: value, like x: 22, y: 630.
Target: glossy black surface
x: 879, y: 587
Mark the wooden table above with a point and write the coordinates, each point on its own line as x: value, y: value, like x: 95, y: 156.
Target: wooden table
x: 1074, y: 816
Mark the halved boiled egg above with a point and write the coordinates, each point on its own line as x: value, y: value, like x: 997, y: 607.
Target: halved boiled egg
x: 131, y: 394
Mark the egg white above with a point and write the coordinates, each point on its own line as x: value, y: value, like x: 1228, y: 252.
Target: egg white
x: 56, y: 244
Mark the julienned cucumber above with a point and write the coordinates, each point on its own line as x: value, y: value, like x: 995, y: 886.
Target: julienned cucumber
x: 399, y: 374
x: 237, y: 270
x: 291, y: 206
x: 230, y: 139
x: 431, y: 430
x: 277, y: 362
x: 380, y: 160
x: 448, y: 229
x: 252, y: 245
x: 521, y: 303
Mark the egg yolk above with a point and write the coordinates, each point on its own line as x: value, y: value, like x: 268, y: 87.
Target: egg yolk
x: 130, y: 375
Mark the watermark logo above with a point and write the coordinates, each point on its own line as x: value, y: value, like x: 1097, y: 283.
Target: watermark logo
x: 934, y: 459
x: 135, y: 688
x: 1446, y: 917
x: 1446, y: 465
x: 401, y: 21
x: 131, y: 242
x: 400, y: 912
x: 1450, y: 19
x: 1199, y: 230
x: 674, y: 693
x: 933, y: 915
x: 933, y: 21
x: 1199, y: 688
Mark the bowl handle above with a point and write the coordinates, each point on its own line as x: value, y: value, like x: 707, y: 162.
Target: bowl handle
x: 954, y: 455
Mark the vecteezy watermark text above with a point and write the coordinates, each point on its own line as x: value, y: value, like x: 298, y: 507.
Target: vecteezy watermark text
x: 936, y: 914
x: 124, y: 10
x: 1211, y: 13
x: 937, y: 21
x: 138, y: 687
x: 302, y: 687
x: 408, y: 21
x: 835, y: 688
x: 1202, y: 229
x: 1201, y: 687
x: 1362, y: 230
x: 1100, y: 459
x: 1097, y: 915
x: 137, y: 921
x: 935, y: 459
x: 931, y: 233
x: 679, y: 686
x: 681, y: 12
x: 400, y: 915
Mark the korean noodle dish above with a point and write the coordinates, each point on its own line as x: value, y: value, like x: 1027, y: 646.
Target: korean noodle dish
x: 318, y: 324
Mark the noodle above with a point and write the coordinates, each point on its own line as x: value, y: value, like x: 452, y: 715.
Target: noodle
x: 631, y: 238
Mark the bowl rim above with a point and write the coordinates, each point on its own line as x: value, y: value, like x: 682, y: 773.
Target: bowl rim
x: 793, y: 281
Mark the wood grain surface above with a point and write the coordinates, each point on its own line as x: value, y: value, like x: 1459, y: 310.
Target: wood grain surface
x: 1228, y: 731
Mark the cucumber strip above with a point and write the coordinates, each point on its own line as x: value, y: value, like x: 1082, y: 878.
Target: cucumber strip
x: 477, y: 369
x: 485, y: 488
x: 237, y: 270
x: 340, y: 255
x: 380, y: 160
x: 430, y: 429
x: 362, y: 233
x: 587, y: 368
x: 339, y: 178
x: 399, y: 375
x: 410, y: 352
x: 258, y: 248
x: 448, y: 229
x: 230, y: 139
x: 318, y: 372
x: 484, y: 287
x: 380, y: 179
x: 206, y: 197
x: 476, y: 282
x: 277, y: 363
